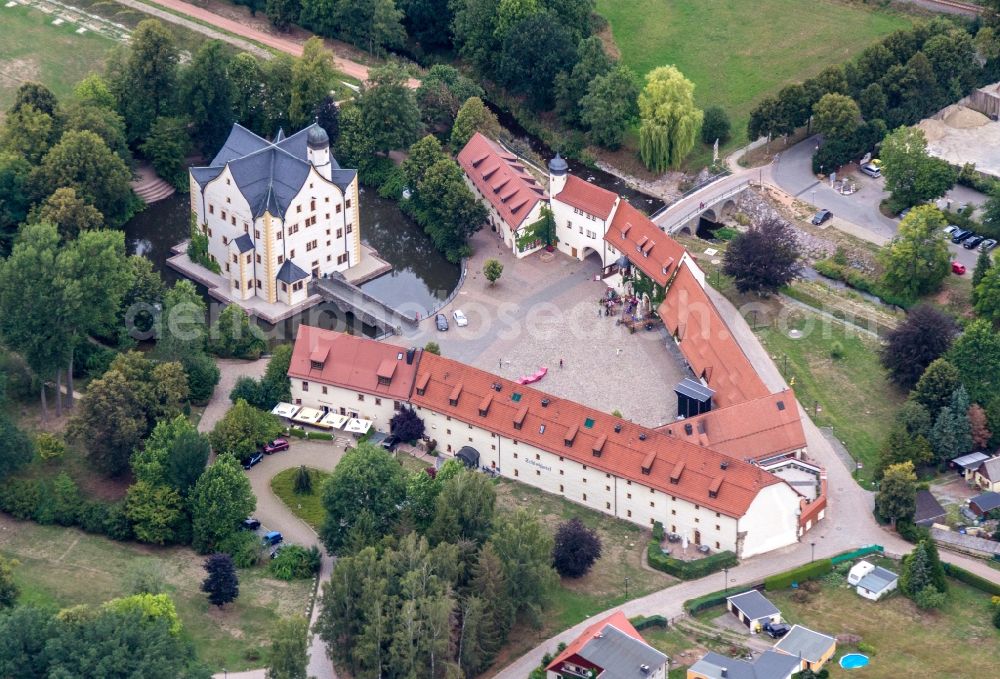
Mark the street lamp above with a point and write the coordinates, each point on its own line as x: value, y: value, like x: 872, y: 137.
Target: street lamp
x: 626, y: 588
x: 725, y: 571
x: 813, y: 557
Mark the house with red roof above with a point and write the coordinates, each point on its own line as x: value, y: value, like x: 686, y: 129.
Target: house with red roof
x: 582, y: 212
x: 609, y: 649
x: 511, y: 194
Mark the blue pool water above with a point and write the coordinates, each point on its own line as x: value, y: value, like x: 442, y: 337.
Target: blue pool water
x: 853, y: 661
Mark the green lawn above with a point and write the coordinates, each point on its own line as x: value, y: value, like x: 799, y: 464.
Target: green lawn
x: 852, y: 391
x: 736, y: 52
x: 61, y: 567
x: 309, y: 507
x: 32, y: 49
x: 957, y: 641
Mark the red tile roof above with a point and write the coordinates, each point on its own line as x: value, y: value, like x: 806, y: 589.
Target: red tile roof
x: 501, y: 178
x: 753, y: 429
x: 352, y: 362
x: 590, y: 198
x: 616, y: 620
x: 648, y: 248
x: 705, y: 340
x: 633, y: 452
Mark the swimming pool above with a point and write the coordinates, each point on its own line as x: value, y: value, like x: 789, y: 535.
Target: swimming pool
x: 853, y: 661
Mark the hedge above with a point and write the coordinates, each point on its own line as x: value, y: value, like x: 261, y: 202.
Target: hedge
x: 971, y: 579
x: 297, y: 432
x: 809, y: 571
x: 700, y: 603
x: 644, y: 622
x: 319, y: 436
x: 688, y: 570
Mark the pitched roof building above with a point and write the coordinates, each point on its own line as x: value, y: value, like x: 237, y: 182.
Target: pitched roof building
x: 654, y: 253
x: 768, y: 665
x: 609, y: 649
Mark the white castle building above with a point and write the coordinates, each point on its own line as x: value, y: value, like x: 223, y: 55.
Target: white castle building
x: 277, y: 213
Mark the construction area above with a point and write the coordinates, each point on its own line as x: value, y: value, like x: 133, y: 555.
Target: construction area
x: 964, y: 133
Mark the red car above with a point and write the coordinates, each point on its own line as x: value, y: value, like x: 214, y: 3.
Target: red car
x: 275, y: 446
x: 957, y: 268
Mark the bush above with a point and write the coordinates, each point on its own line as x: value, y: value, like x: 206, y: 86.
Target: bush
x: 715, y: 125
x: 376, y: 171
x: 244, y: 548
x: 295, y: 562
x: 911, y: 532
x: 688, y: 570
x: 929, y: 598
x: 800, y: 596
x: 971, y: 579
x: 297, y: 432
x: 92, y: 360
x: 319, y: 436
x: 303, y: 482
x: 645, y: 622
x: 576, y: 549
x: 836, y: 350
x: 726, y: 233
x: 116, y: 523
x: 866, y: 648
x: 706, y: 601
x: 93, y: 517
x: 20, y: 498
x: 809, y: 571
x: 658, y: 532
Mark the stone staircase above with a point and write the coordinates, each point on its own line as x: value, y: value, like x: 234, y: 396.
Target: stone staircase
x: 149, y: 187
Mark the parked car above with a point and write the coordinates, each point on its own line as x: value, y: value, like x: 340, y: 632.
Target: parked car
x: 821, y: 217
x: 987, y: 245
x: 905, y: 211
x: 776, y: 630
x: 957, y: 268
x: 250, y: 523
x: 950, y: 229
x: 391, y: 442
x: 252, y: 460
x: 460, y: 319
x: 871, y: 170
x: 973, y: 242
x: 273, y: 538
x: 276, y: 446
x: 441, y: 322
x: 960, y: 235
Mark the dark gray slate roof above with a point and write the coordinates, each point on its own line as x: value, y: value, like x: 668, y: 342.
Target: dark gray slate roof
x: 754, y: 605
x: 620, y: 655
x: 244, y: 243
x: 986, y: 502
x: 268, y: 174
x: 802, y: 641
x: 878, y: 579
x: 769, y: 665
x: 928, y: 509
x: 290, y: 273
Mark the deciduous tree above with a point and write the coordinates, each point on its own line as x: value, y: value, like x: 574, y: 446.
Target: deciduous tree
x: 407, y: 425
x: 156, y: 513
x: 389, y: 111
x: 220, y: 500
x: 924, y: 336
x: 442, y: 93
x: 572, y: 85
x: 979, y: 427
x: 836, y: 116
x: 234, y: 335
x: 911, y: 175
x: 576, y: 549
x: 917, y: 260
x: 464, y: 509
x: 167, y: 147
x: 610, y: 106
x: 312, y: 77
x: 715, y: 125
x: 976, y: 356
x: 283, y: 13
x: 525, y: 550
x: 936, y: 385
x: 28, y: 133
x: 243, y: 430
x: 221, y: 584
x: 670, y: 120
x: 473, y: 117
x: 764, y: 258
x: 144, y: 79
x: 492, y: 270
x: 288, y: 656
x: 70, y: 213
x: 533, y: 52
x: 896, y: 498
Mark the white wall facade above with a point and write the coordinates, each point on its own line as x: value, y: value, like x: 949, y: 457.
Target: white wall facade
x: 580, y: 233
x: 501, y: 227
x: 771, y: 521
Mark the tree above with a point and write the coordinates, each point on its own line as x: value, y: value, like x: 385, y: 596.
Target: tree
x: 367, y: 488
x: 288, y: 656
x: 428, y: 22
x: 207, y: 96
x: 81, y: 160
x: 525, y: 550
x: 489, y: 583
x: 764, y: 258
x: 303, y: 481
x: 234, y: 335
x: 936, y: 385
x: 312, y: 77
x: 976, y: 356
x: 448, y: 211
x: 167, y: 148
x: 9, y: 591
x: 327, y: 115
x: 984, y: 262
x: 715, y: 125
x: 793, y: 108
x: 979, y: 427
x: 182, y: 335
x: 442, y: 93
x: 897, y: 496
x: 433, y: 348
x: 29, y: 133
x: 474, y: 30
x: 156, y: 513
x: 901, y: 445
x: 542, y: 231
x: 924, y: 336
x: 93, y: 90
x: 917, y: 260
x: 70, y: 213
x: 282, y: 13
x: 911, y: 175
x: 174, y: 455
x: 220, y: 500
x: 576, y: 549
x: 986, y: 293
x: 144, y: 81
x: 407, y: 425
x: 609, y: 107
x: 221, y: 583
x: 951, y: 435
x: 15, y: 198
x: 243, y: 430
x: 836, y: 116
x: 389, y: 112
x: 669, y: 119
x: 492, y: 269
x: 872, y: 102
x: 473, y: 117
x: 464, y: 509
x: 532, y: 53
x: 572, y: 85
x: 36, y: 95
x: 921, y: 569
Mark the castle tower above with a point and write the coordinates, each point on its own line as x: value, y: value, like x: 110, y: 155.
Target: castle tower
x: 318, y: 149
x: 557, y: 174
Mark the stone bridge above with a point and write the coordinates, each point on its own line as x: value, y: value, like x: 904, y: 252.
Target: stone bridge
x: 711, y: 202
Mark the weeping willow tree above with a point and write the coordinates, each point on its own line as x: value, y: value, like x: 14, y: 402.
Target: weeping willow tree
x: 670, y: 120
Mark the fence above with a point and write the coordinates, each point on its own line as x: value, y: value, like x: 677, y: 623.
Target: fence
x: 864, y: 551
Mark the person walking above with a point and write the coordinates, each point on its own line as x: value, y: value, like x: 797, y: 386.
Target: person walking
x: 560, y: 364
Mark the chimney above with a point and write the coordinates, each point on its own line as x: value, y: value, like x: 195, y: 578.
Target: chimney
x: 545, y: 403
x: 410, y: 353
x: 618, y: 427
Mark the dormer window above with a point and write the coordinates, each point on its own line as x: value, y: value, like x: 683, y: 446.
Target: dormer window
x: 316, y: 365
x: 455, y: 394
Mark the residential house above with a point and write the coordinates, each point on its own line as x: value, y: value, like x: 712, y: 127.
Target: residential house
x: 968, y: 464
x: 871, y: 581
x: 812, y: 648
x: 984, y: 503
x: 277, y: 213
x: 753, y: 609
x: 609, y: 649
x: 768, y: 665
x: 929, y: 510
x: 987, y: 474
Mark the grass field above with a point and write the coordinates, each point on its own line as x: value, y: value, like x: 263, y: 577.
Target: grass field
x: 309, y: 508
x: 736, y: 52
x: 32, y: 49
x: 62, y: 567
x: 952, y: 642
